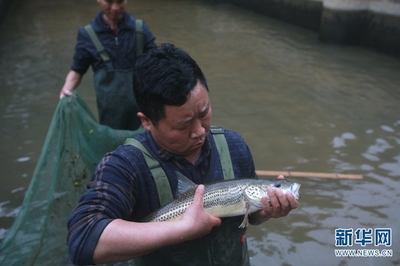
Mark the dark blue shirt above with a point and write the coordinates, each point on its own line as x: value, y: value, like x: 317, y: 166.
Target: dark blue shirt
x: 120, y: 47
x: 122, y: 186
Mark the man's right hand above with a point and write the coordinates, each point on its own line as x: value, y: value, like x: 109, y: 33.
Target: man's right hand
x: 71, y: 82
x: 65, y: 92
x: 198, y: 221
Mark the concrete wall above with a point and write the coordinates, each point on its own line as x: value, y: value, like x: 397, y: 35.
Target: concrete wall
x: 304, y: 13
x: 371, y: 23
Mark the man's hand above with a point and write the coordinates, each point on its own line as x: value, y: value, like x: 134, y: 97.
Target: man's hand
x: 123, y: 240
x: 278, y: 205
x: 71, y: 82
x: 198, y: 221
x: 65, y: 92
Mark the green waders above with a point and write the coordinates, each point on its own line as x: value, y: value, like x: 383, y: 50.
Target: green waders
x: 225, y: 245
x: 116, y: 102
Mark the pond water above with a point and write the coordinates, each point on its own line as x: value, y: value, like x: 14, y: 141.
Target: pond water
x: 301, y: 105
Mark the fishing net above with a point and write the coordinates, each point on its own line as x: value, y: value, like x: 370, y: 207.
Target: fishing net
x: 74, y: 144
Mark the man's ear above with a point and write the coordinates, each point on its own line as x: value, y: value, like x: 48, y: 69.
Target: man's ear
x: 145, y: 121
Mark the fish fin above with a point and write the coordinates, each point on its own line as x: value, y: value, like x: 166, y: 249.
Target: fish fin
x: 184, y: 184
x: 245, y: 221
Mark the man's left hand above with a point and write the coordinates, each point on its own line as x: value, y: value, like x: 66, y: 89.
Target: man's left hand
x: 278, y: 205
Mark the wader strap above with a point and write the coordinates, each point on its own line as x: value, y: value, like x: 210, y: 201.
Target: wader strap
x: 139, y: 37
x: 159, y: 176
x: 97, y: 43
x: 223, y: 152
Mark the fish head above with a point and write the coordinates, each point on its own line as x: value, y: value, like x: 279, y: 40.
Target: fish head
x: 256, y: 190
x: 295, y: 189
x: 253, y: 194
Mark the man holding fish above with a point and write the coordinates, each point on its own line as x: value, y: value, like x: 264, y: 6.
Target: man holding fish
x: 110, y: 223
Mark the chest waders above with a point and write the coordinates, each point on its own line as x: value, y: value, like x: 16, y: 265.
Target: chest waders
x: 225, y: 245
x: 116, y: 102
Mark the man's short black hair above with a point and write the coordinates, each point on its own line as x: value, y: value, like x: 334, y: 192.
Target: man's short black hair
x: 164, y: 76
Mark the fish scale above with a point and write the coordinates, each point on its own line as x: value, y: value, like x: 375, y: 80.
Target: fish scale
x: 221, y: 195
x: 224, y: 199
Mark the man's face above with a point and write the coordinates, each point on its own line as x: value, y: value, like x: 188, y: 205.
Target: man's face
x: 184, y: 128
x: 113, y: 9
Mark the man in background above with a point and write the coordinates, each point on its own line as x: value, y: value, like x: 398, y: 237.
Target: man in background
x: 111, y: 44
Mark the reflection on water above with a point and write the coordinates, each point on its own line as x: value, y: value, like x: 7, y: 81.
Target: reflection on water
x: 300, y: 105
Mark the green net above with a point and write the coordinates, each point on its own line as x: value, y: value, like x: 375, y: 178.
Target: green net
x: 74, y: 144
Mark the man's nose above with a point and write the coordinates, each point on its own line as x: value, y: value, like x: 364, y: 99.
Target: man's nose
x: 198, y: 130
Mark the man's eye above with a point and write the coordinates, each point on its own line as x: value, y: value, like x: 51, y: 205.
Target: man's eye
x: 204, y: 114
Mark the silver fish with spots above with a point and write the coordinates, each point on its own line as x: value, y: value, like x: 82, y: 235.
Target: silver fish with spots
x: 226, y: 198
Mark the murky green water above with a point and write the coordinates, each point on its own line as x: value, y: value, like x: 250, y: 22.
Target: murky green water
x: 301, y: 105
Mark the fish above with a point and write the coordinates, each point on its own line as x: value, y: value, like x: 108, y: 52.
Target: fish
x: 225, y: 198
